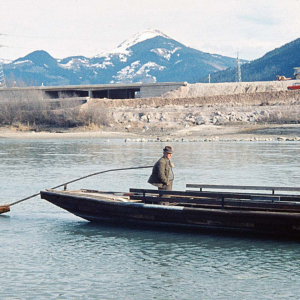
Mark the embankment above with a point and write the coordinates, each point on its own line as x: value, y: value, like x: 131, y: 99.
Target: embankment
x: 259, y: 110
x: 202, y: 116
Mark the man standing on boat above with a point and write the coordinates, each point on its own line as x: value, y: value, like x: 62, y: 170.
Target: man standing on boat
x: 162, y: 174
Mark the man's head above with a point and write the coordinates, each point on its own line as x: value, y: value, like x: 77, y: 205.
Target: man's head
x: 168, y: 152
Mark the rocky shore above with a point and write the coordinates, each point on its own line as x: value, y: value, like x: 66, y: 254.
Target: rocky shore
x: 234, y: 112
x: 199, y: 112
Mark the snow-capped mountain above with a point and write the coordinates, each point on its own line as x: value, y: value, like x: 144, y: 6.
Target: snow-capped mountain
x: 138, y: 38
x: 149, y: 56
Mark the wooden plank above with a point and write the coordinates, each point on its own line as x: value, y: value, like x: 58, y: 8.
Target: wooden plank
x: 4, y: 208
x: 241, y: 187
x: 218, y: 195
x: 165, y: 199
x: 161, y: 192
x: 228, y: 203
x: 265, y: 197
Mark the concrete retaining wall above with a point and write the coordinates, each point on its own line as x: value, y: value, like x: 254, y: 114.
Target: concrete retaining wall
x: 150, y: 91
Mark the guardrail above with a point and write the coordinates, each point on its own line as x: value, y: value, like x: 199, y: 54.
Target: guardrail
x: 242, y: 187
x: 231, y: 198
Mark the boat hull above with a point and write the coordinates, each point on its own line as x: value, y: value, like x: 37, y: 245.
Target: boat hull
x: 102, y: 210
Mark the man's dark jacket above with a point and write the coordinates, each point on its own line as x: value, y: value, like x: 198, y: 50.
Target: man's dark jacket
x: 161, y: 172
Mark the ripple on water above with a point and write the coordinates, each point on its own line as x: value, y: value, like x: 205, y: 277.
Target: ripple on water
x: 46, y: 253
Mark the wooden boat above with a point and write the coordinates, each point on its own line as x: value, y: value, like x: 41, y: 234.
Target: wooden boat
x: 211, y: 207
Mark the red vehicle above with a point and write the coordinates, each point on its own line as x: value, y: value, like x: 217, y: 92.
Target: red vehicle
x: 295, y: 86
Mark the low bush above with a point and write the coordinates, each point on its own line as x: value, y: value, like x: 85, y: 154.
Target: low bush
x: 31, y: 109
x: 283, y: 116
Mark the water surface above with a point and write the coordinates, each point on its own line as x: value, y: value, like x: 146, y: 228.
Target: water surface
x: 47, y: 253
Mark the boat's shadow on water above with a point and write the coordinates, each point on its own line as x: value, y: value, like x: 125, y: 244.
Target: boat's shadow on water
x: 4, y: 217
x: 170, y: 234
x: 156, y: 232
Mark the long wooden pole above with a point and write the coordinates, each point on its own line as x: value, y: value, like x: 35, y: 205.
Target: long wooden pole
x: 6, y: 207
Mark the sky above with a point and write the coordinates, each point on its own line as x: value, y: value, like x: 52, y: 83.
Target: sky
x: 65, y: 28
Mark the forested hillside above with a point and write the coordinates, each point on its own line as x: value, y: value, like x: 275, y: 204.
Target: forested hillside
x: 280, y: 61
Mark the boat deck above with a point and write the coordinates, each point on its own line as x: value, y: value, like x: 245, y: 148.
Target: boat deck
x: 221, y: 199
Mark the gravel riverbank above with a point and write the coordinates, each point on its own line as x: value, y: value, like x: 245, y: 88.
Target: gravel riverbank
x: 233, y: 111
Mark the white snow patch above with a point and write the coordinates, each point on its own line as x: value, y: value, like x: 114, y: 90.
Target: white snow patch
x: 104, y: 65
x: 123, y: 49
x: 67, y: 65
x: 122, y: 58
x: 74, y: 63
x: 5, y: 61
x: 136, y: 63
x: 149, y: 66
x: 140, y: 37
x: 128, y: 73
x: 22, y: 62
x: 215, y: 55
x: 165, y: 53
x: 121, y: 52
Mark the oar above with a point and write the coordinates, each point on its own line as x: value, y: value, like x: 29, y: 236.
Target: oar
x: 6, y: 207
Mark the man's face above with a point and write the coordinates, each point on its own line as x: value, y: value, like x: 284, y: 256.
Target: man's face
x: 168, y: 155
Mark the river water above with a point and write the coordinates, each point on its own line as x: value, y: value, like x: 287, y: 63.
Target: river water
x: 47, y: 253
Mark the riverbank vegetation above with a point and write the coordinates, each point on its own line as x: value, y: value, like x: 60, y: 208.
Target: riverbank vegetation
x: 30, y: 109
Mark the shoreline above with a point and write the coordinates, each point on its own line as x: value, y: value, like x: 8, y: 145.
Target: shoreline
x: 246, y: 132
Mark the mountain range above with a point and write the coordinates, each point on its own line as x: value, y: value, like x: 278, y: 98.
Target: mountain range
x: 278, y: 62
x: 149, y: 56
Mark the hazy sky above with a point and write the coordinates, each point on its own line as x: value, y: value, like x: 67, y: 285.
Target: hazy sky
x: 89, y: 27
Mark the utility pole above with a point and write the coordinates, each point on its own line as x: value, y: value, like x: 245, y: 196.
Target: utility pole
x: 2, y: 78
x: 238, y: 74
